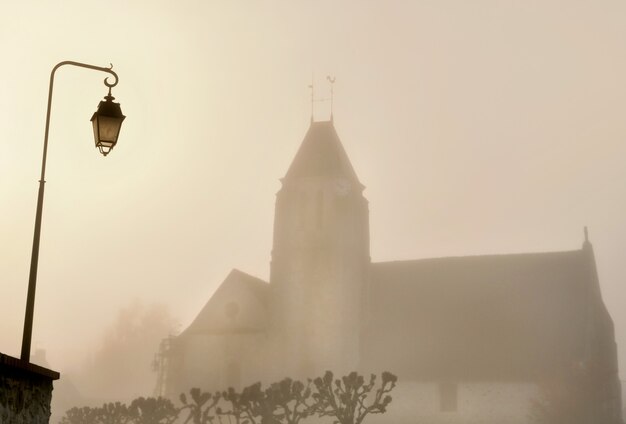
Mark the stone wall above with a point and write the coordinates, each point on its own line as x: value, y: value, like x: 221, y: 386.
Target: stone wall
x: 474, y: 403
x: 25, y: 392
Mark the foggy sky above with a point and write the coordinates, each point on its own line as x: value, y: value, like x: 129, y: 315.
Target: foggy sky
x: 478, y: 128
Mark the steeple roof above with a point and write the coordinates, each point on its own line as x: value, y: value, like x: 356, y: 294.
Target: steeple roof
x: 321, y: 154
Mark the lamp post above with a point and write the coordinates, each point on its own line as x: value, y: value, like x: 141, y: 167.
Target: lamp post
x: 107, y: 121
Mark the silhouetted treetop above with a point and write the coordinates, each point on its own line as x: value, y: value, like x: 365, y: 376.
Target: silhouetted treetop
x: 350, y: 399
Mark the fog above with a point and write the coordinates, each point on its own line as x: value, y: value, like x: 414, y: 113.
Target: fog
x: 480, y: 127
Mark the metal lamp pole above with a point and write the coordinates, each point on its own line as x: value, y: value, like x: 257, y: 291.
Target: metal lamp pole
x: 32, y: 280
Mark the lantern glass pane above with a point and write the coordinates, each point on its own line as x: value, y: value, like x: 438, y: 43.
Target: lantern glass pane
x: 105, y: 149
x: 109, y: 129
x: 94, y: 121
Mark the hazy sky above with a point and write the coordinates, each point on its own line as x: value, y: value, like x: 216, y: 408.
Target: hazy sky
x: 478, y: 127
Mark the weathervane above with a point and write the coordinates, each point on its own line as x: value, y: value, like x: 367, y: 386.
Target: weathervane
x: 331, y: 80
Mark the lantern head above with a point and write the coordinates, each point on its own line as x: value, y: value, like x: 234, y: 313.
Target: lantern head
x: 107, y: 122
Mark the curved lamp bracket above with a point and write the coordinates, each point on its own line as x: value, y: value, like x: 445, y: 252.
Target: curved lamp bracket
x: 108, y: 70
x: 32, y: 280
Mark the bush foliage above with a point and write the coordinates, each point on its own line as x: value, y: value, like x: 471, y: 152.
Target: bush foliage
x: 348, y: 400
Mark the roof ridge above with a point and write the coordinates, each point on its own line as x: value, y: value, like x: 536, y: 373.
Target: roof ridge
x: 250, y: 277
x: 485, y: 256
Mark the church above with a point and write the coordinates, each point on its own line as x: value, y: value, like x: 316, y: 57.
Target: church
x: 472, y: 339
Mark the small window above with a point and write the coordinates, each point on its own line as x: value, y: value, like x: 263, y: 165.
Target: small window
x: 448, y: 397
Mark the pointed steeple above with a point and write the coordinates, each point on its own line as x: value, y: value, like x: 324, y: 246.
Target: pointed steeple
x: 321, y: 154
x: 320, y: 257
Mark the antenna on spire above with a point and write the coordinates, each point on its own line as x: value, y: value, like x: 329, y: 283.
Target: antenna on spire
x: 321, y: 99
x: 331, y: 80
x: 586, y: 234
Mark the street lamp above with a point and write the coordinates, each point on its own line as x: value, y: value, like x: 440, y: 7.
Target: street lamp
x: 107, y: 121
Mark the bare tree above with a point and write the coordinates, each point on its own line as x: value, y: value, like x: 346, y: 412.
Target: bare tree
x: 238, y: 409
x: 200, y: 406
x: 152, y: 411
x: 291, y: 401
x: 349, y: 400
x: 255, y: 405
x: 346, y: 399
x: 112, y: 413
x: 285, y: 402
x: 84, y: 415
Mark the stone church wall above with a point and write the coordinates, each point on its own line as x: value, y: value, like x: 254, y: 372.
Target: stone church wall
x: 25, y: 392
x: 215, y: 362
x: 459, y: 403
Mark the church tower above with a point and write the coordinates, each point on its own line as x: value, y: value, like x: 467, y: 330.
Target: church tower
x: 320, y: 258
